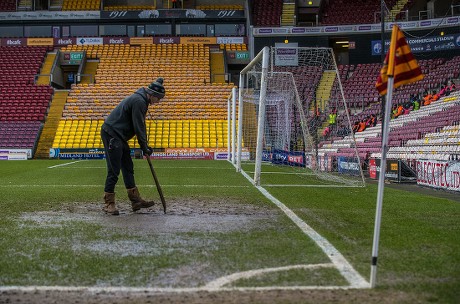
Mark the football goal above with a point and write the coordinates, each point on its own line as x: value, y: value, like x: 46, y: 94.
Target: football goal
x: 287, y: 97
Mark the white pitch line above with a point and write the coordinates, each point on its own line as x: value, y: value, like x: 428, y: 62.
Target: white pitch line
x: 101, y: 185
x: 66, y: 164
x: 152, y: 290
x: 338, y: 261
x: 137, y: 168
x: 344, y: 267
x: 220, y: 282
x: 311, y: 186
x: 286, y: 173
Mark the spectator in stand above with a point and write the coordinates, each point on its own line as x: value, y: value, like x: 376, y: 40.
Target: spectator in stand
x: 394, y: 110
x: 451, y: 84
x: 427, y: 98
x: 373, y: 121
x: 416, y: 102
x: 362, y: 125
x: 326, y: 132
x: 408, y: 104
x: 445, y: 90
x: 318, y: 111
x: 368, y: 121
x: 434, y: 97
x: 399, y: 111
x: 407, y: 107
x: 332, y: 118
x: 355, y: 126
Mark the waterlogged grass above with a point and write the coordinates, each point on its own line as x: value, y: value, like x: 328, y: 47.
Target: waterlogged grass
x: 45, y: 229
x: 419, y: 250
x: 294, y: 277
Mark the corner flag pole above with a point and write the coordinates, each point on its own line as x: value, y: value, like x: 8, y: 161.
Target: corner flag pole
x: 381, y: 184
x: 383, y: 161
x: 400, y: 67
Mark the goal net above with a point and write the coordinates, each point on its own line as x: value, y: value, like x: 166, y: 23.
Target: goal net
x: 285, y: 99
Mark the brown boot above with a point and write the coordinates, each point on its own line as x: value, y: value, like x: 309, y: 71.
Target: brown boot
x: 110, y: 208
x: 136, y: 201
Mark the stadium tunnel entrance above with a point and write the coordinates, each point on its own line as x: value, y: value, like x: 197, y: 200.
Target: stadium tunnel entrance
x: 341, y: 45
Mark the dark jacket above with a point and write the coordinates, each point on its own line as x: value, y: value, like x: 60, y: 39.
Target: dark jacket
x: 128, y: 118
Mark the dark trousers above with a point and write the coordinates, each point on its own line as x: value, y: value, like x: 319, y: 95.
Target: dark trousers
x: 117, y: 154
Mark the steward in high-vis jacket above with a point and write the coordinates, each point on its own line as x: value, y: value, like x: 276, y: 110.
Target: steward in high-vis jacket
x: 123, y: 123
x: 332, y: 118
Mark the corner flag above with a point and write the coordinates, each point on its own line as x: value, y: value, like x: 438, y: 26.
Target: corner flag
x: 399, y: 62
x: 399, y: 67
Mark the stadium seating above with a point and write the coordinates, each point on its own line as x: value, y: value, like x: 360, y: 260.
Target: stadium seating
x: 267, y: 12
x: 352, y: 11
x: 128, y: 7
x: 193, y: 105
x: 425, y: 133
x: 78, y: 5
x: 19, y: 134
x: 20, y: 98
x: 8, y: 6
x: 220, y: 7
x: 23, y: 105
x: 359, y: 81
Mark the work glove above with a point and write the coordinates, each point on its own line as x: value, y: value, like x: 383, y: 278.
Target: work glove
x: 147, y: 151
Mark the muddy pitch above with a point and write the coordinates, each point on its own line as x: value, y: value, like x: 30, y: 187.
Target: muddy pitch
x: 193, y: 215
x: 182, y: 216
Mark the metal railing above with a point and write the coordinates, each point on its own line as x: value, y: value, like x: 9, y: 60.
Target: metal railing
x: 423, y: 15
x: 50, y: 76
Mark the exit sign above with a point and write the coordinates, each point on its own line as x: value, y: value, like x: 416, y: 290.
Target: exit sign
x: 76, y: 56
x: 242, y: 55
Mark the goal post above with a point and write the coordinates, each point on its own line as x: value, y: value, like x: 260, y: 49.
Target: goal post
x: 284, y: 97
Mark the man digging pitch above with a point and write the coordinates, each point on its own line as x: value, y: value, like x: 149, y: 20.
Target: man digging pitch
x: 123, y: 123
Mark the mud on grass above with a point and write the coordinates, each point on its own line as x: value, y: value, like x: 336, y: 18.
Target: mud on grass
x: 196, y: 242
x: 205, y: 297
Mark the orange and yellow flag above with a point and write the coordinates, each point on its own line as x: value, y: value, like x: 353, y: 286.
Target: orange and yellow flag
x: 399, y: 62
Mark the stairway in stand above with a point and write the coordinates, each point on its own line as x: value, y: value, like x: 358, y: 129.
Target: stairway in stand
x: 46, y: 69
x: 395, y: 10
x: 323, y: 92
x: 287, y: 16
x: 51, y: 123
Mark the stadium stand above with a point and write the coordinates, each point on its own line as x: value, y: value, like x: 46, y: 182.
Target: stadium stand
x: 193, y: 113
x: 407, y: 133
x: 19, y: 134
x: 220, y: 7
x: 78, y: 5
x: 267, y: 12
x: 128, y: 7
x: 23, y: 104
x: 8, y: 6
x: 351, y: 12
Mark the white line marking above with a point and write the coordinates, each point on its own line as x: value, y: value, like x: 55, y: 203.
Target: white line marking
x: 101, y: 185
x: 151, y: 290
x: 285, y: 173
x: 66, y: 164
x: 313, y: 186
x: 138, y: 167
x: 220, y: 282
x: 338, y: 261
x: 344, y: 267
